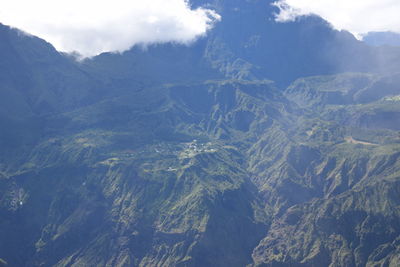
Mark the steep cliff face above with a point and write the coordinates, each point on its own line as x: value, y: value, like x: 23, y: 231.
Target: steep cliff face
x: 158, y: 189
x: 349, y: 214
x: 355, y: 228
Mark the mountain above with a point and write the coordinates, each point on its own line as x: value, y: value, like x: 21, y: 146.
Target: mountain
x: 382, y: 38
x: 249, y: 44
x: 36, y: 80
x: 261, y: 144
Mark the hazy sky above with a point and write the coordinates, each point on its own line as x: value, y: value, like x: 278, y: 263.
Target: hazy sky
x: 356, y: 16
x: 94, y: 26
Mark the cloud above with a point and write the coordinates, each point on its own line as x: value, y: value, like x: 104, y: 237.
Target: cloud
x: 355, y: 16
x: 90, y: 27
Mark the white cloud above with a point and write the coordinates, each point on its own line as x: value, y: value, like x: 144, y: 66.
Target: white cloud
x: 94, y: 26
x: 356, y: 16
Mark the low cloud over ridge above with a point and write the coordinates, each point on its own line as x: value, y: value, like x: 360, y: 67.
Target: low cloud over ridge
x: 355, y: 16
x: 91, y: 27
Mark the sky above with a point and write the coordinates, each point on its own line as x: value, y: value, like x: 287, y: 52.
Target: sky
x: 91, y: 27
x: 356, y: 16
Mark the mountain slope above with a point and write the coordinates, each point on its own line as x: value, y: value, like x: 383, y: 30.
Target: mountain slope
x: 249, y: 44
x: 350, y: 216
x: 170, y: 198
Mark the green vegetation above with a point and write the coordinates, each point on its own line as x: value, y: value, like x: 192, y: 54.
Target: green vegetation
x: 178, y: 179
x: 181, y: 157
